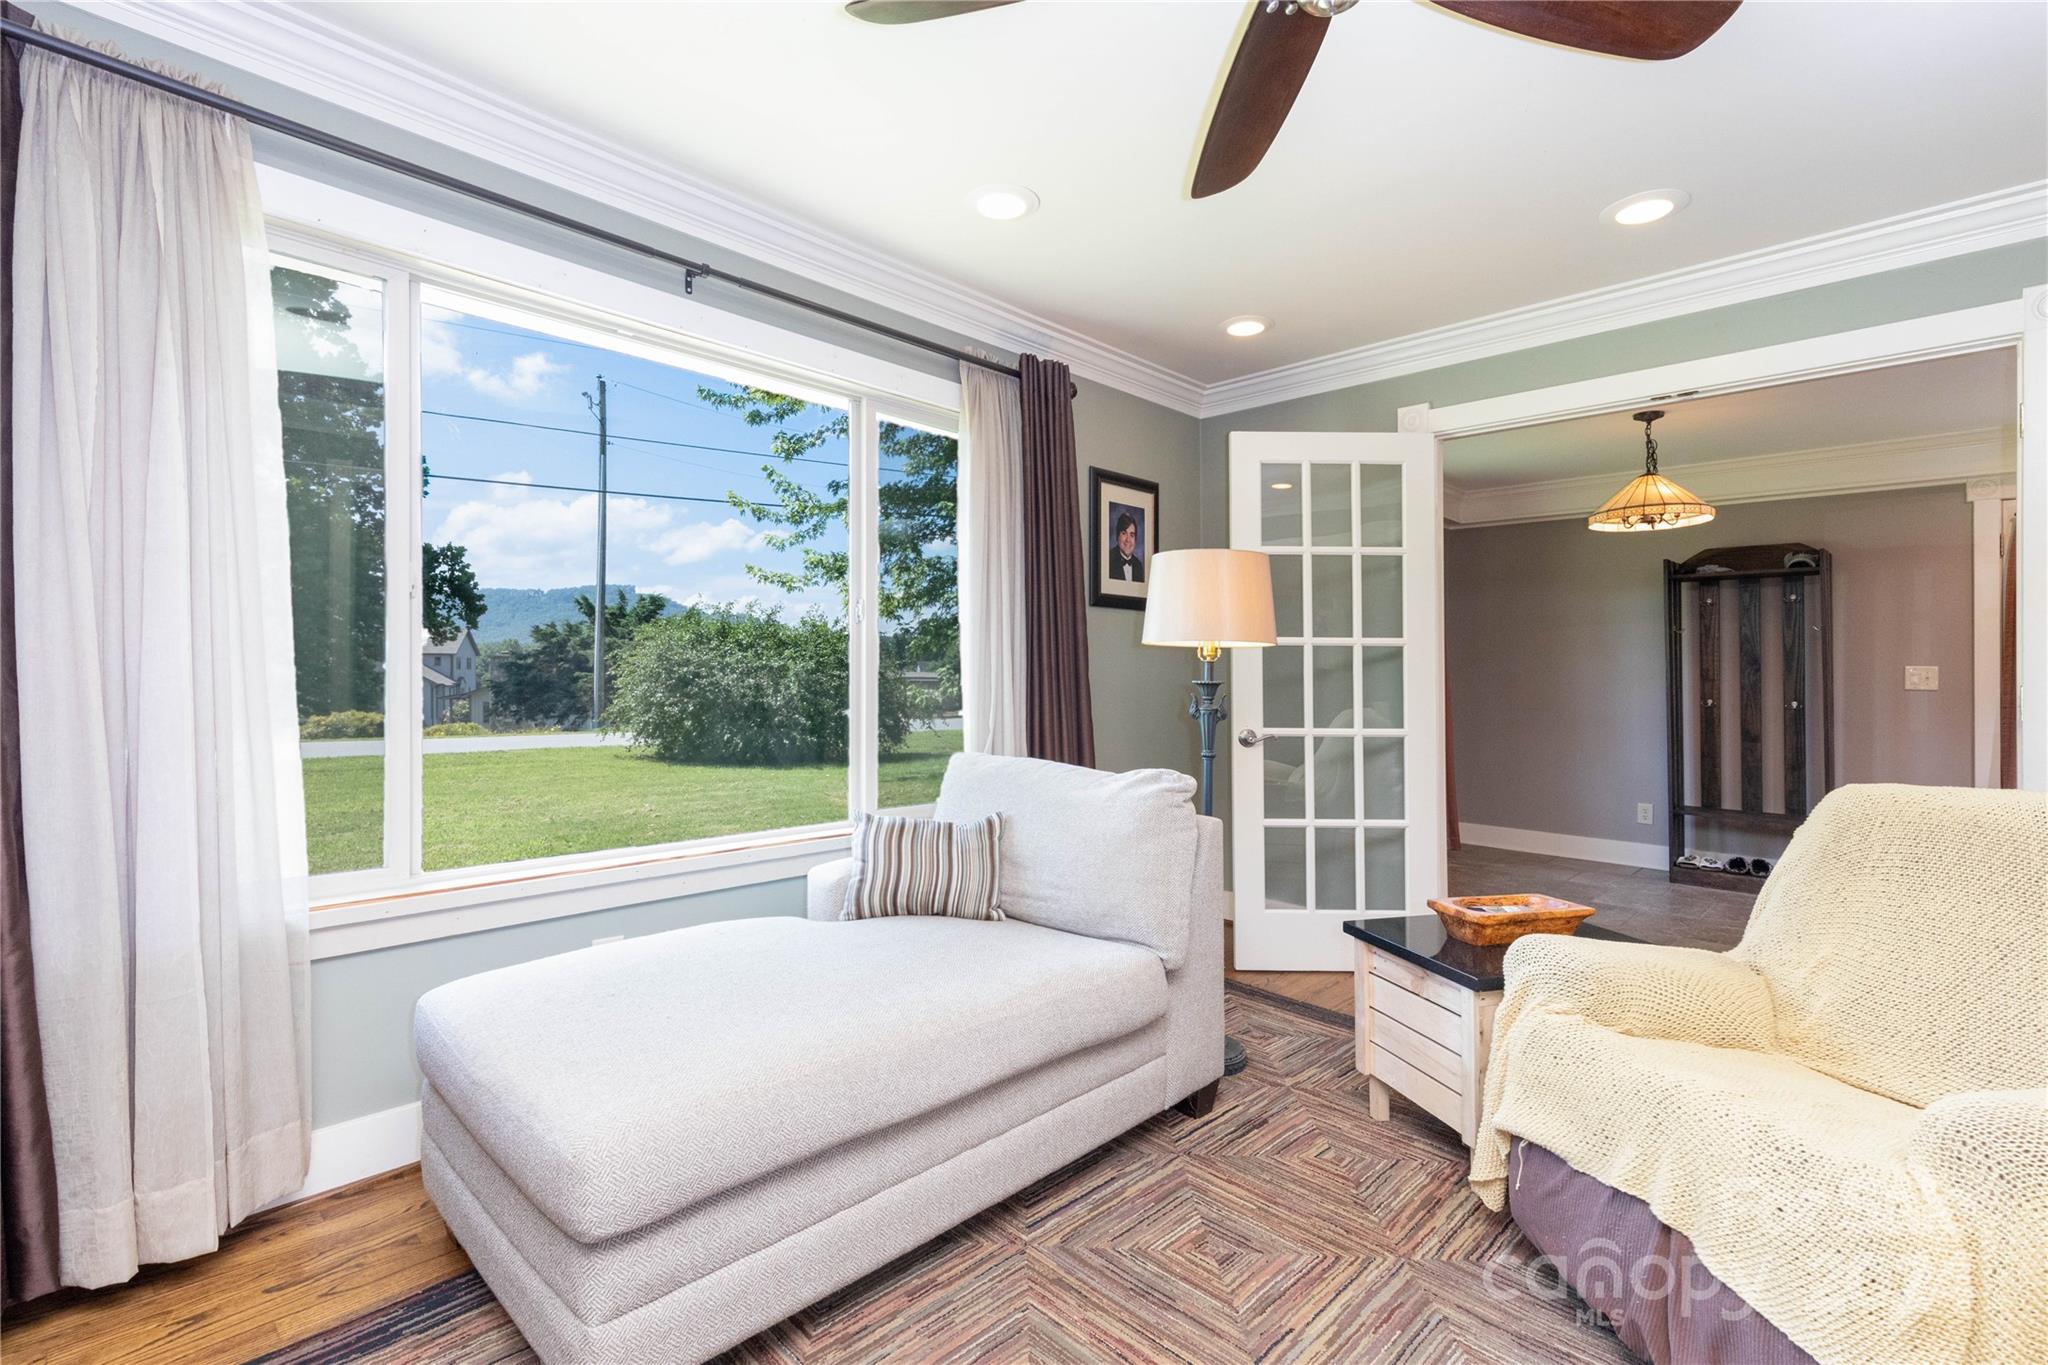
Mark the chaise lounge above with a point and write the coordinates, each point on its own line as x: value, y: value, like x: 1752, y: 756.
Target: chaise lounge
x: 654, y: 1149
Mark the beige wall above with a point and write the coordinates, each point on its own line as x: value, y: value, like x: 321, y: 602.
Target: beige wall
x: 1555, y: 648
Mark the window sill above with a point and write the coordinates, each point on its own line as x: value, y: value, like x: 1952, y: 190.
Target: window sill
x: 475, y: 900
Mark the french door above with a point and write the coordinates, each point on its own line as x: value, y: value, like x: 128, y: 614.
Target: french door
x: 1337, y: 773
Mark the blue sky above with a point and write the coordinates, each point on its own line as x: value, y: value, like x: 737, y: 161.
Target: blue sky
x: 546, y: 537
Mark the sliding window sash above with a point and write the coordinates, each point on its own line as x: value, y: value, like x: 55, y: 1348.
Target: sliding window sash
x: 399, y: 858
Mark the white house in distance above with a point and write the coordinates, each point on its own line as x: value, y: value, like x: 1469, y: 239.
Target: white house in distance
x: 450, y: 672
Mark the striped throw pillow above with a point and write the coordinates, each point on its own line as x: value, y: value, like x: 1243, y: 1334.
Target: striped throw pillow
x: 906, y: 866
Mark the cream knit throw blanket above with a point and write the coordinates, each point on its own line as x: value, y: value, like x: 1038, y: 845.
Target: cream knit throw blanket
x: 1847, y: 1113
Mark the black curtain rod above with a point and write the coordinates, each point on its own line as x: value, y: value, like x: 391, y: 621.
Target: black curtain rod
x: 292, y: 128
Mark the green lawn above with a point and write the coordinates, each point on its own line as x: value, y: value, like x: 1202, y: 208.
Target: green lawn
x: 539, y: 803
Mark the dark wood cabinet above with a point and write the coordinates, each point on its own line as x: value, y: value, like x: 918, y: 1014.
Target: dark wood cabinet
x: 1749, y: 588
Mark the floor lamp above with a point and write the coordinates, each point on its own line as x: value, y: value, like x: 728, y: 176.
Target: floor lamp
x: 1210, y: 601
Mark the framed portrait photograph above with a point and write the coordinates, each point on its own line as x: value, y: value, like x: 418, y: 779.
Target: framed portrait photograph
x: 1125, y: 523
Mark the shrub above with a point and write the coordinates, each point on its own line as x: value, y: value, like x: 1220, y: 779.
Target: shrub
x: 454, y: 729
x: 722, y: 685
x: 343, y: 725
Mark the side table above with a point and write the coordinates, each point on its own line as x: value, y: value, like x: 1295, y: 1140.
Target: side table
x: 1424, y: 1006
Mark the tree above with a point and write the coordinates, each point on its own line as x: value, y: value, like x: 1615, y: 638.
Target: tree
x: 722, y: 685
x: 449, y: 589
x: 920, y: 607
x: 545, y: 680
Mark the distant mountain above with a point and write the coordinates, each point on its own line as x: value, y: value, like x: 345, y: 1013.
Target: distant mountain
x: 512, y: 613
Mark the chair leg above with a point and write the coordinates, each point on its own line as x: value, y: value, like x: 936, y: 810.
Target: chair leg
x: 1201, y: 1102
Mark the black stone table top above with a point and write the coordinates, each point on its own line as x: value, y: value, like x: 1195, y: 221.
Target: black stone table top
x: 1421, y: 939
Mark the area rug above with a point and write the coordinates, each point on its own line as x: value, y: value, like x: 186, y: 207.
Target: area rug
x: 1283, y: 1226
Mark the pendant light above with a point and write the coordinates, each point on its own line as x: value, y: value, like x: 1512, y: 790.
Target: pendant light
x: 1650, y: 502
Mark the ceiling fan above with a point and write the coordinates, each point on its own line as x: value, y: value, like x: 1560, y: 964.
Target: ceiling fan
x: 1281, y: 42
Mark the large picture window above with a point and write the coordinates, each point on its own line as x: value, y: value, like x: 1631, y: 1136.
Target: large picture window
x: 660, y: 601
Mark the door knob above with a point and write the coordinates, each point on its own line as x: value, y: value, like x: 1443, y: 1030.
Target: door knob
x: 1249, y: 737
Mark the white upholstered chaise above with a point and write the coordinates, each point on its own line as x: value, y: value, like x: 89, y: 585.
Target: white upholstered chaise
x: 655, y: 1148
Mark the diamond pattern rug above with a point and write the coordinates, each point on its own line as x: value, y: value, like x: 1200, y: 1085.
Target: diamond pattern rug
x: 1283, y: 1226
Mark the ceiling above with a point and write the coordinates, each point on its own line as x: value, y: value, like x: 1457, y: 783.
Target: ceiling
x: 1433, y: 170
x: 1971, y: 393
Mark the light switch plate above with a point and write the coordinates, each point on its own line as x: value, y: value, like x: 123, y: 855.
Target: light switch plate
x: 1923, y: 678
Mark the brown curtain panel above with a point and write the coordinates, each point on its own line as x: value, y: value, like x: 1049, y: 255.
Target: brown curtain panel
x: 28, y: 1170
x: 1059, y: 714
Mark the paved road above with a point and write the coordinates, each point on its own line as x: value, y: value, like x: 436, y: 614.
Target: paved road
x: 465, y: 744
x: 480, y: 744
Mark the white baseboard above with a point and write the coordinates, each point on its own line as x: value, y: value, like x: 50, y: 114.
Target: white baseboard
x: 359, y: 1148
x: 1617, y: 851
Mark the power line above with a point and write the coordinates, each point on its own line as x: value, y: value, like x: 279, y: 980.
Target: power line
x: 669, y: 397
x: 640, y: 440
x: 377, y: 471
x: 578, y: 488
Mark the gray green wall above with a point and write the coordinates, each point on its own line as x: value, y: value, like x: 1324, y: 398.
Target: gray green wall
x: 1995, y: 276
x: 1141, y: 717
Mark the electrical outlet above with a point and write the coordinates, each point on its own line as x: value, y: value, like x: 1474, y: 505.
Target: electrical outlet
x: 609, y: 938
x: 1645, y: 813
x: 1923, y: 678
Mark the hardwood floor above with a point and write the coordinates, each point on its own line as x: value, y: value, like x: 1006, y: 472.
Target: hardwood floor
x: 282, y: 1277
x: 292, y: 1273
x: 1638, y: 901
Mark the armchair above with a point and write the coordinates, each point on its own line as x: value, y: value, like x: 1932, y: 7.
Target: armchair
x: 1841, y: 1115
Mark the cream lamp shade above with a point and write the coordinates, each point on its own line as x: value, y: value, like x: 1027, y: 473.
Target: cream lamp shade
x: 1650, y: 502
x: 1203, y: 598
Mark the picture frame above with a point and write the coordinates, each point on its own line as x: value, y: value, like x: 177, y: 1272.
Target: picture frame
x: 1123, y: 518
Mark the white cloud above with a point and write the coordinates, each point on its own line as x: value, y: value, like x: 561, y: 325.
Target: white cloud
x: 698, y: 541
x: 537, y: 540
x: 523, y: 379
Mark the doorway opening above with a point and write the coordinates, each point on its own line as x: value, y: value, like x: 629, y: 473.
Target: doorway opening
x: 1599, y: 755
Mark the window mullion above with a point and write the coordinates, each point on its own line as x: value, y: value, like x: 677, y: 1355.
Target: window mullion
x: 863, y: 534
x: 402, y: 798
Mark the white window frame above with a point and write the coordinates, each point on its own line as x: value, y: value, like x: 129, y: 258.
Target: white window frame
x: 325, y: 227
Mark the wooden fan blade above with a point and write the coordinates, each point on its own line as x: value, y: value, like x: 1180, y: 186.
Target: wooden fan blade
x: 1272, y: 61
x: 1648, y: 30
x: 917, y: 11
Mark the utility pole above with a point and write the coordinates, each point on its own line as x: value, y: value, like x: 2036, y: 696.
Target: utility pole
x: 597, y: 618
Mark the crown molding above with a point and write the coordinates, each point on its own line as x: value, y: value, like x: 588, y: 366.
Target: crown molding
x: 299, y: 49
x: 1974, y: 459
x: 1999, y: 218
x: 293, y: 46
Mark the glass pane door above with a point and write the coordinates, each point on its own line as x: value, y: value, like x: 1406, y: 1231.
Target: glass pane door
x: 1337, y: 759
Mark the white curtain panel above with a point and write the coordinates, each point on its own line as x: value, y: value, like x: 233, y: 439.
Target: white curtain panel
x: 991, y: 562
x: 164, y: 814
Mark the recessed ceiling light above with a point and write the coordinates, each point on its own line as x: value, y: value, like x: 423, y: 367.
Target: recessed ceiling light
x: 1281, y: 487
x: 1004, y: 202
x: 1247, y: 326
x: 1647, y: 207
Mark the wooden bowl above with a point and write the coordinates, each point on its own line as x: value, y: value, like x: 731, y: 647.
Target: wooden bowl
x: 1486, y: 921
